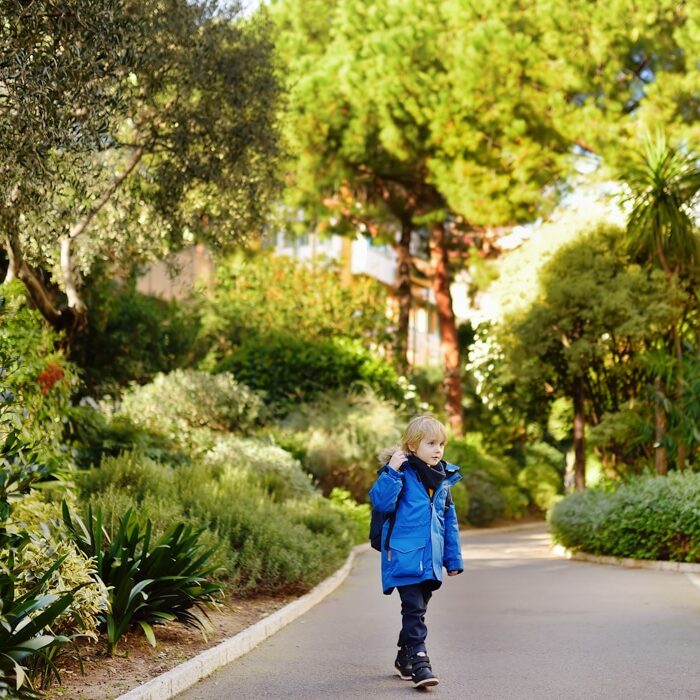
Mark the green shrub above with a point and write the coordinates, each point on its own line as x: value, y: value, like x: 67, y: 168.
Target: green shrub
x: 486, y: 502
x: 490, y: 482
x: 35, y: 375
x: 268, y: 547
x: 25, y: 620
x: 516, y: 502
x: 178, y: 403
x: 342, y: 434
x: 256, y: 294
x: 542, y: 482
x: 277, y: 472
x: 273, y: 532
x: 460, y: 497
x: 131, y: 337
x: 359, y: 513
x: 131, y: 473
x: 93, y: 436
x: 291, y: 369
x: 45, y: 544
x: 651, y: 517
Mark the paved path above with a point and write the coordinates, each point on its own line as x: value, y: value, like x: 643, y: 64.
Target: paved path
x: 519, y: 623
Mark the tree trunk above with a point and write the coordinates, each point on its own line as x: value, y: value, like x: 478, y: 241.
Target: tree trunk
x: 69, y: 320
x: 579, y: 436
x: 448, y: 326
x: 404, y: 296
x: 682, y: 452
x: 660, y: 422
x: 74, y: 300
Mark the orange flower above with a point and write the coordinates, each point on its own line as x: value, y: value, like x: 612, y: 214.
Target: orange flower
x: 49, y: 376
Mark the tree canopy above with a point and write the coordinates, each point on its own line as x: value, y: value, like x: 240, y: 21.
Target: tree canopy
x: 147, y: 126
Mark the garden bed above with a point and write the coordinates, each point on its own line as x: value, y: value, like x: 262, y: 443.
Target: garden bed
x: 136, y: 661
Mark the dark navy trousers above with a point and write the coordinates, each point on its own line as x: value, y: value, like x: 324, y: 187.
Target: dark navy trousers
x: 414, y: 605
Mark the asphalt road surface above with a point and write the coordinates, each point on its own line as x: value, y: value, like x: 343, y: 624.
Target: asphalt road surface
x: 519, y: 623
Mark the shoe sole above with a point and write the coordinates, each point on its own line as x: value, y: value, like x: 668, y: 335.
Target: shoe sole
x: 427, y: 683
x: 401, y: 675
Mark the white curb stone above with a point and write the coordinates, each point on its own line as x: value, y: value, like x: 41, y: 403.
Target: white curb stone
x: 178, y: 679
x: 625, y: 563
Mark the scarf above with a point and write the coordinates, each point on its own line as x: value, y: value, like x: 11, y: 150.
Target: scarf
x: 430, y: 477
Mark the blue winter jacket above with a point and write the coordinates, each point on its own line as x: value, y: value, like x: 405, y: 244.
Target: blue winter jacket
x: 424, y: 537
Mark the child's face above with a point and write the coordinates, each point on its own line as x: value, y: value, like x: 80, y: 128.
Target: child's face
x: 430, y: 449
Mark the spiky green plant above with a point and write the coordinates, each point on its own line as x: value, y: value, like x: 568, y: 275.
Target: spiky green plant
x: 150, y: 583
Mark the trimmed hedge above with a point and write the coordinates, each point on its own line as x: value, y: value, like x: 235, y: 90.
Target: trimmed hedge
x: 651, y: 517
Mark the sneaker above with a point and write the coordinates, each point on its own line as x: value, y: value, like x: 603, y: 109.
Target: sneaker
x: 421, y: 673
x: 403, y: 664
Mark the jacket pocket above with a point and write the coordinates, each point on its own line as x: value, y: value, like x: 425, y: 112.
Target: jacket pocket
x: 406, y: 558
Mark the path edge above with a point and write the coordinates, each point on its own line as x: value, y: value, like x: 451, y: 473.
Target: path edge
x: 625, y: 563
x: 169, y: 684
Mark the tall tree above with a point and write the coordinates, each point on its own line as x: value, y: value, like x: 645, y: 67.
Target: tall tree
x: 586, y: 333
x: 399, y: 99
x: 664, y: 188
x: 162, y: 132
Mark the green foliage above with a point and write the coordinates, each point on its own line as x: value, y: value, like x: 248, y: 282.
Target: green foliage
x: 271, y: 468
x: 24, y: 622
x: 176, y: 131
x: 291, y: 370
x: 45, y: 545
x: 35, y: 373
x: 360, y: 513
x: 149, y: 583
x: 94, y: 435
x: 490, y: 481
x: 257, y: 294
x: 272, y: 531
x: 27, y: 609
x: 664, y: 186
x: 542, y: 482
x: 486, y: 502
x: 595, y: 317
x: 648, y: 517
x: 341, y: 434
x: 130, y: 337
x: 461, y: 499
x: 179, y: 403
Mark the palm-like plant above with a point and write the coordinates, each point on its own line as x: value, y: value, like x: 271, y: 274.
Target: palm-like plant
x: 664, y: 187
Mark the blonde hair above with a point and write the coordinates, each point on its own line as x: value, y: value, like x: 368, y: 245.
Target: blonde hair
x: 418, y: 428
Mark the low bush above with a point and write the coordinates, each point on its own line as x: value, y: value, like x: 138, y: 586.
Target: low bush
x: 175, y: 404
x: 341, y: 433
x: 650, y: 517
x: 490, y: 482
x: 276, y: 471
x: 93, y: 435
x: 273, y: 531
x: 359, y: 513
x: 543, y: 484
x: 486, y: 502
x: 460, y: 497
x: 291, y: 370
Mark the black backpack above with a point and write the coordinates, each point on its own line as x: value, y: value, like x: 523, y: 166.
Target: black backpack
x: 377, y: 520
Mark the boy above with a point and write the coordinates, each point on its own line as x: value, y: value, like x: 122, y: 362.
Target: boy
x: 419, y: 537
